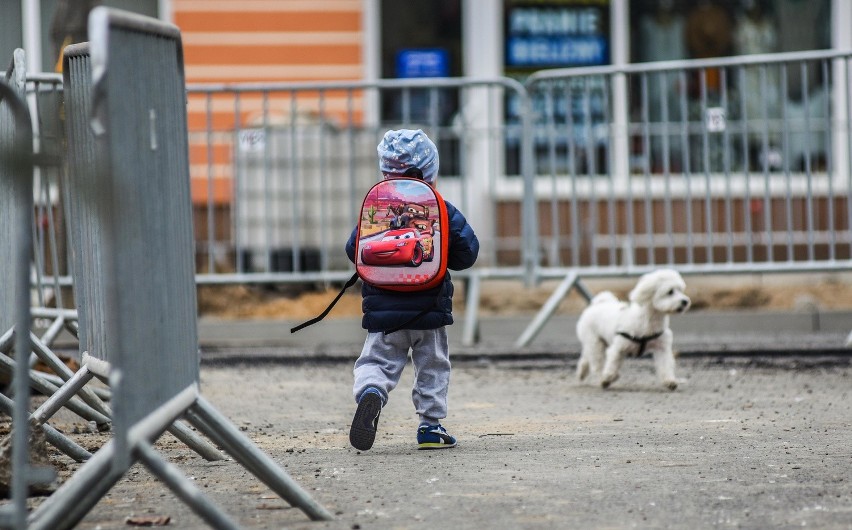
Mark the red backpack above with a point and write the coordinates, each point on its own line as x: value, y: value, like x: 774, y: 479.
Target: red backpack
x: 402, y: 237
x: 402, y: 240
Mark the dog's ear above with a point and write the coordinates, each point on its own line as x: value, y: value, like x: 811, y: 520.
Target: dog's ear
x: 644, y: 291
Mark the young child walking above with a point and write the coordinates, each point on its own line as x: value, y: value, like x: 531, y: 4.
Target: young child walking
x: 416, y: 320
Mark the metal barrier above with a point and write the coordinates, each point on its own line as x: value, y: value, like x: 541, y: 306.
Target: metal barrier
x: 709, y: 166
x: 16, y: 240
x: 699, y: 164
x: 279, y: 170
x: 90, y: 406
x: 52, y: 311
x: 15, y: 203
x: 86, y: 253
x: 138, y: 196
x: 712, y: 166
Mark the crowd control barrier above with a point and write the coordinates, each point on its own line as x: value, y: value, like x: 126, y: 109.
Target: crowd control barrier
x: 136, y: 203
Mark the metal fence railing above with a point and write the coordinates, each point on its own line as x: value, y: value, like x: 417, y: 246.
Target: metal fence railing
x: 279, y: 170
x: 708, y: 165
x: 713, y: 166
x: 15, y: 201
x: 131, y: 228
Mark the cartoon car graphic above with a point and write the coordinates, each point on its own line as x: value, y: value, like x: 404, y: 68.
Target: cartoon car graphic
x: 404, y: 246
x: 426, y: 229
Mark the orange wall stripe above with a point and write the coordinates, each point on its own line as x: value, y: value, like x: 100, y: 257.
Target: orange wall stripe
x: 266, y: 5
x: 272, y: 38
x: 267, y: 21
x: 242, y: 72
x: 222, y: 190
x: 283, y: 54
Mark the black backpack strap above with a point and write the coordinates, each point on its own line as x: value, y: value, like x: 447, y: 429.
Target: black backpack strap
x: 322, y: 315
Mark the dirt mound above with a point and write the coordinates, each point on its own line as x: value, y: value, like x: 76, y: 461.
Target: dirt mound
x: 508, y: 297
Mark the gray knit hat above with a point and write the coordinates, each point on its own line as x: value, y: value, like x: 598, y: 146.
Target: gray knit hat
x: 406, y: 148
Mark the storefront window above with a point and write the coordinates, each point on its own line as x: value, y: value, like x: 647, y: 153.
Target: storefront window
x: 423, y: 39
x: 544, y: 34
x: 689, y: 29
x: 762, y: 103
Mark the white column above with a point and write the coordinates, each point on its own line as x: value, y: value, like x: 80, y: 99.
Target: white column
x: 165, y: 11
x: 482, y: 45
x: 31, y: 14
x: 619, y: 32
x: 841, y: 39
x: 371, y: 55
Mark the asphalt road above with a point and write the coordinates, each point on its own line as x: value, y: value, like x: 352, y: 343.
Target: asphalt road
x: 744, y: 442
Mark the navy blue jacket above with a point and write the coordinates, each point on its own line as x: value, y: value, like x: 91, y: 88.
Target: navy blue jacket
x: 384, y: 309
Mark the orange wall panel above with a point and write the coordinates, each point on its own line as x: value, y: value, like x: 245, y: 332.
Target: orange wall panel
x: 259, y: 41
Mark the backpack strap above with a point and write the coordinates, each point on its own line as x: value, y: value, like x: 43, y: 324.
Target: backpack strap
x: 322, y: 315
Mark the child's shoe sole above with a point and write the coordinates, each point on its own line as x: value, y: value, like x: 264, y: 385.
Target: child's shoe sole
x: 436, y: 446
x: 362, y: 434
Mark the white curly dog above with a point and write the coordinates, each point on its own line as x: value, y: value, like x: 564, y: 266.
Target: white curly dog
x: 610, y: 330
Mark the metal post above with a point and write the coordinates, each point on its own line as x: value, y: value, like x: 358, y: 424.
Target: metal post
x: 259, y: 462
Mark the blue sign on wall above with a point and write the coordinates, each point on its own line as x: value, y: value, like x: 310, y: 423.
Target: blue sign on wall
x: 563, y: 50
x: 433, y: 62
x: 556, y: 33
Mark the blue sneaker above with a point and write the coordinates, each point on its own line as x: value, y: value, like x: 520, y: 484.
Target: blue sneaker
x: 434, y: 437
x: 362, y: 433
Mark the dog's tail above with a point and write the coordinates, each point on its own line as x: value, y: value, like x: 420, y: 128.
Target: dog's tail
x: 604, y: 296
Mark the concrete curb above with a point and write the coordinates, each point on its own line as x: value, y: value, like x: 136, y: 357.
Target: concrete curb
x: 717, y: 333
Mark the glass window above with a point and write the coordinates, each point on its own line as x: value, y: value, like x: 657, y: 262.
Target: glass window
x: 761, y: 103
x: 542, y: 34
x: 423, y: 39
x: 686, y: 29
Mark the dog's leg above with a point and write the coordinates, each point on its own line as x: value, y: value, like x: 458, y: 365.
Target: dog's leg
x: 582, y: 366
x: 591, y: 358
x: 664, y: 362
x: 596, y: 355
x: 612, y: 364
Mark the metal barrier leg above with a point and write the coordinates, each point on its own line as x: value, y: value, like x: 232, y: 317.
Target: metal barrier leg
x: 55, y: 363
x: 79, y: 494
x: 6, y: 341
x: 256, y: 461
x: 49, y: 336
x: 73, y: 327
x: 183, y: 488
x: 53, y: 330
x: 61, y: 396
x: 103, y: 394
x: 54, y: 437
x: 41, y: 385
x: 547, y: 310
x: 470, y: 335
x: 183, y: 433
x: 585, y: 293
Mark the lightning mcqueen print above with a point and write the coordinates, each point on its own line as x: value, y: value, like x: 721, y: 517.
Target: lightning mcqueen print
x: 405, y: 246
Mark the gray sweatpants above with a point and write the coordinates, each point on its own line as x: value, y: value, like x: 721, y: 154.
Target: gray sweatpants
x: 384, y: 356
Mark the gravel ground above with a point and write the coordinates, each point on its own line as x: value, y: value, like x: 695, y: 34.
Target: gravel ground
x: 744, y: 442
